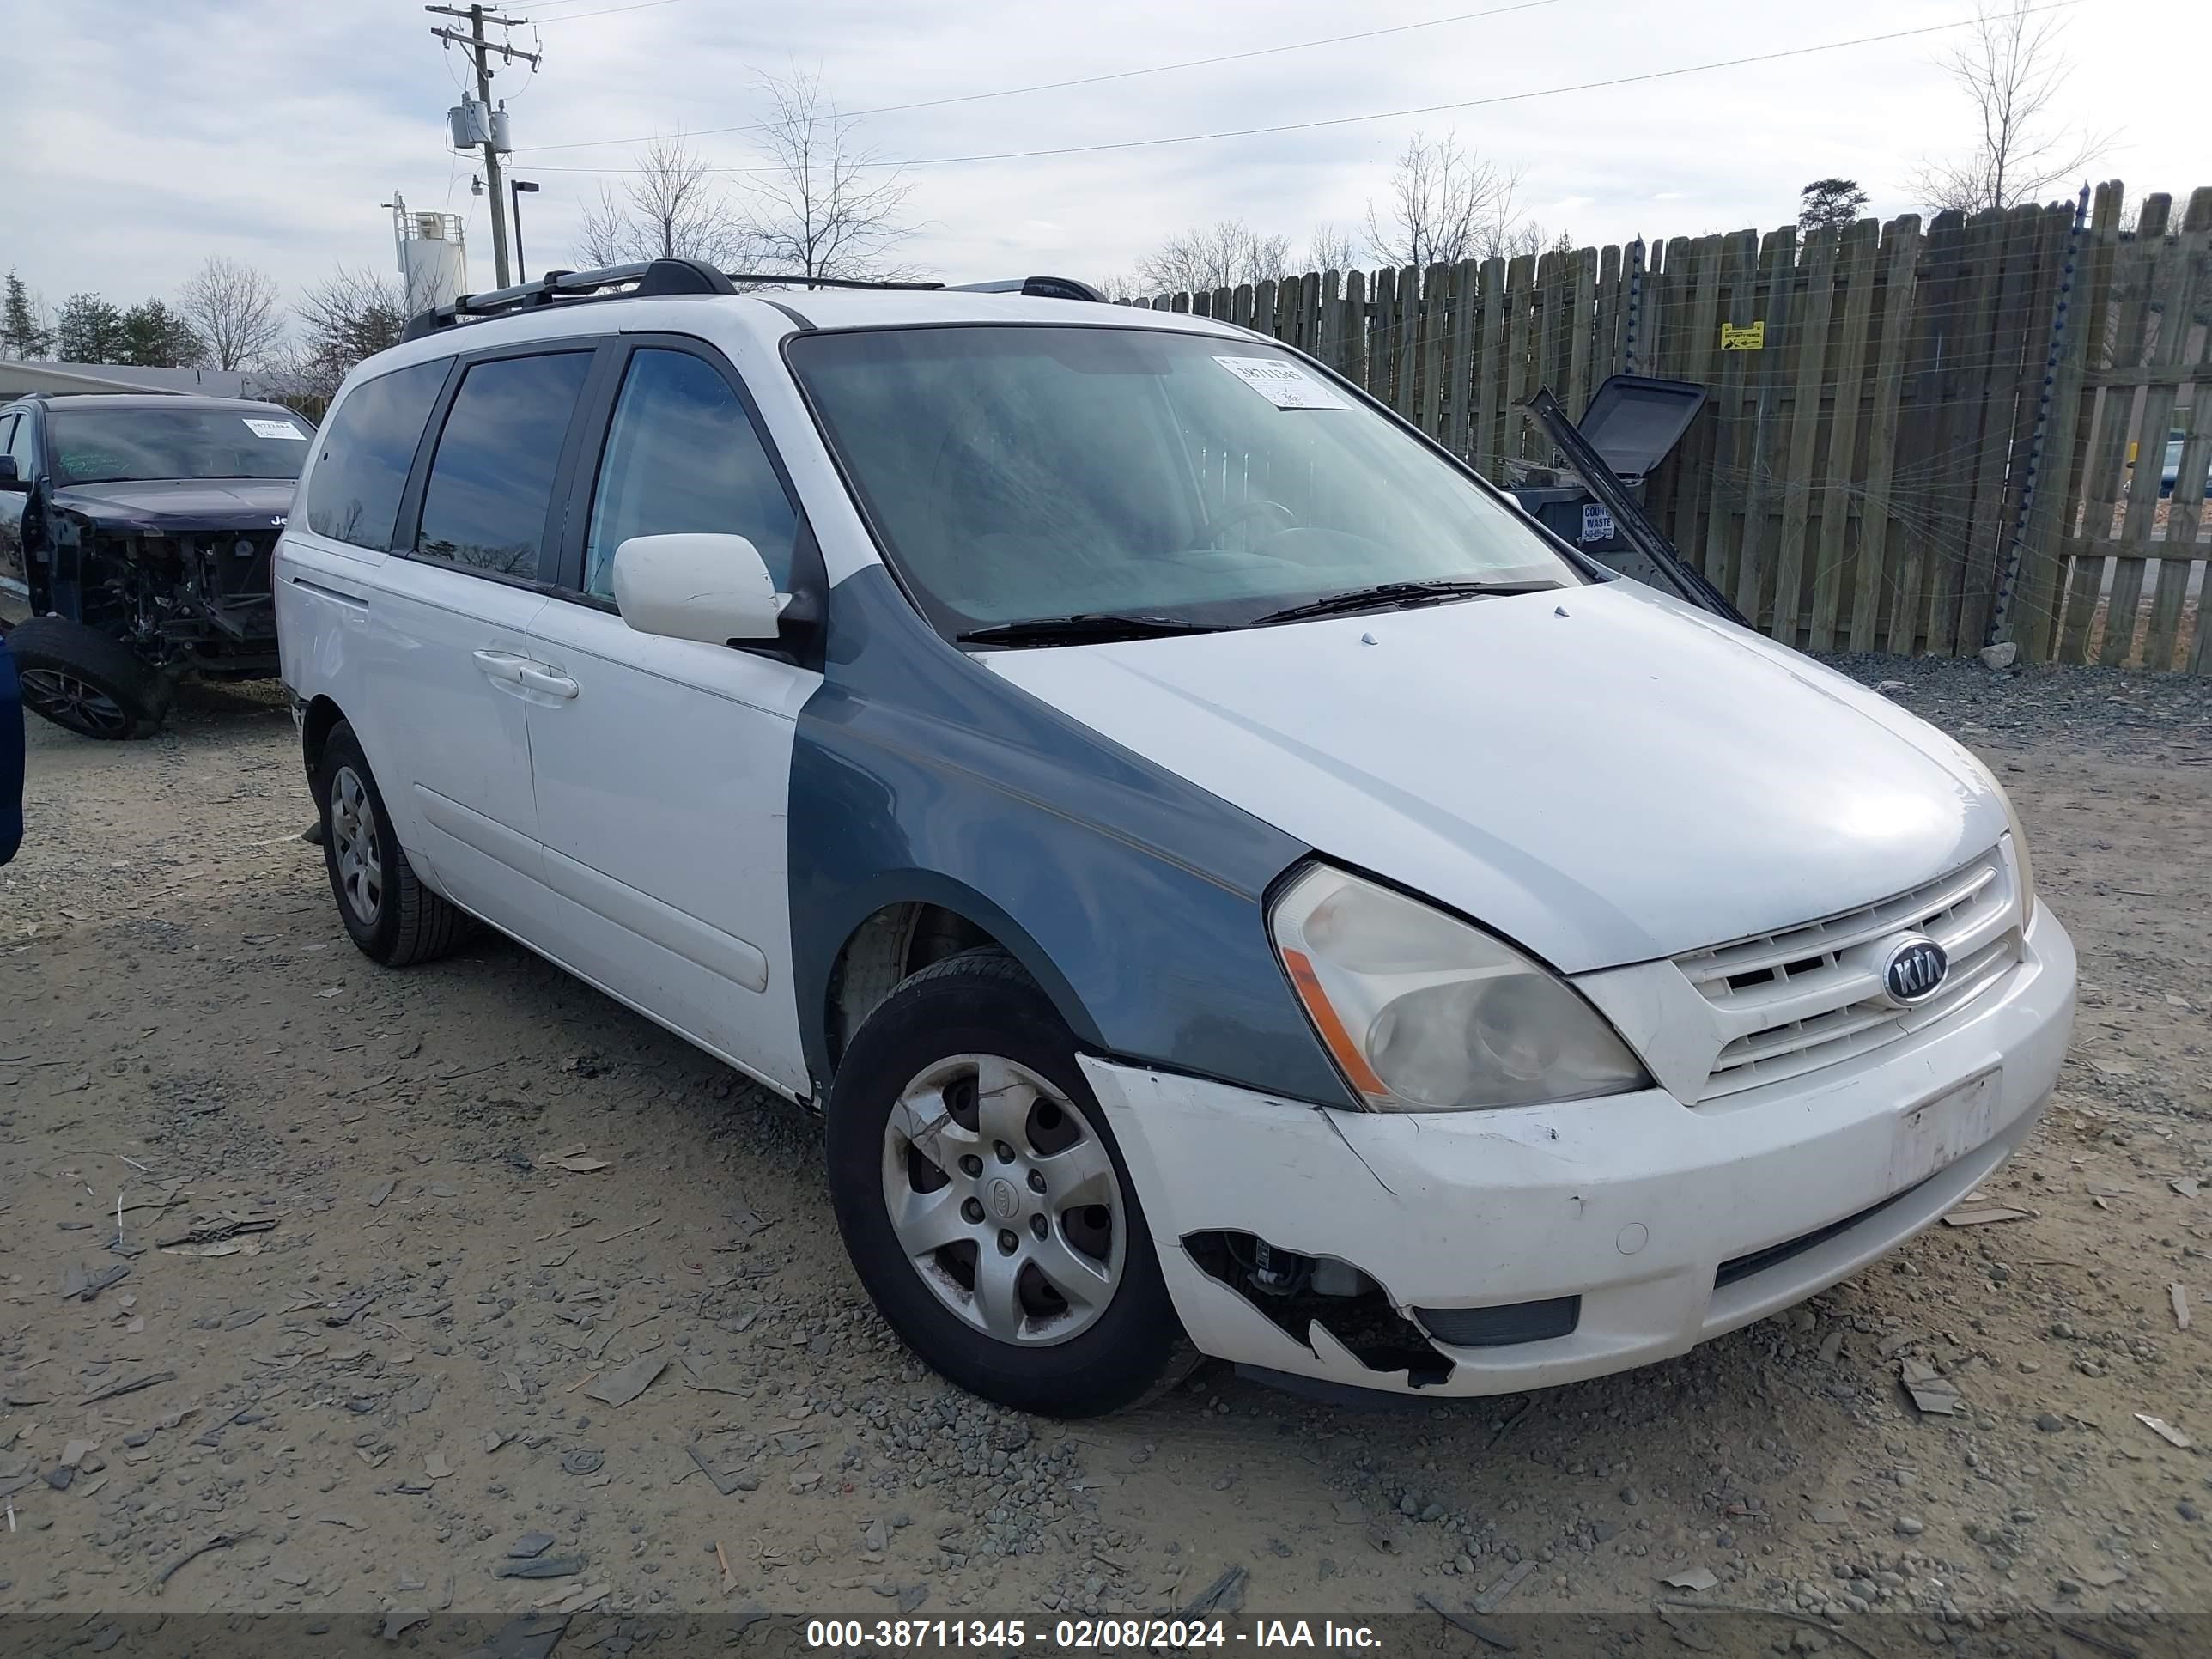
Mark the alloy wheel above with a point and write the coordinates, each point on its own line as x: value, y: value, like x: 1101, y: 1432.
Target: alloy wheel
x: 67, y: 699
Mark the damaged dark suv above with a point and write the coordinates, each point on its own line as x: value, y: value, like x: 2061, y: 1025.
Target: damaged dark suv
x: 140, y: 530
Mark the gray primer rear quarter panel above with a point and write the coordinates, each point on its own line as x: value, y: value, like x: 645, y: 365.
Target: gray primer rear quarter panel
x: 1134, y: 897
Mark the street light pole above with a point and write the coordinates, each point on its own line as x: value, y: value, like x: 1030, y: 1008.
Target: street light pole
x: 520, y: 187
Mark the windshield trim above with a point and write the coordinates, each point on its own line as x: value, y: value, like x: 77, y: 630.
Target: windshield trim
x: 948, y: 627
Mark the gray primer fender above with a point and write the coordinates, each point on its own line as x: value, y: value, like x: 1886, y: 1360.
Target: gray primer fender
x: 1133, y: 896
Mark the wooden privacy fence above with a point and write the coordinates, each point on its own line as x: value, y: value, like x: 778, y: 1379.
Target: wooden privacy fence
x: 1915, y: 441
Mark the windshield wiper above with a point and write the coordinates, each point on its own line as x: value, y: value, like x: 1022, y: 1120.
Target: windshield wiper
x: 1401, y: 594
x: 1083, y: 627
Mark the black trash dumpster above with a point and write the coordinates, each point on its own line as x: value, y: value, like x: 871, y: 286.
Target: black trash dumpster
x: 1633, y: 422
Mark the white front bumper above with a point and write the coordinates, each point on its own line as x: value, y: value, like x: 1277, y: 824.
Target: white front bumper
x: 1632, y: 1203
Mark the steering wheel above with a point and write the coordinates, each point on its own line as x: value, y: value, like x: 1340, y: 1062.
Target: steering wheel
x: 1250, y: 509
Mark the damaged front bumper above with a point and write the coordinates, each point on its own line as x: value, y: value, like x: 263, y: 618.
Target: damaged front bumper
x: 1485, y: 1252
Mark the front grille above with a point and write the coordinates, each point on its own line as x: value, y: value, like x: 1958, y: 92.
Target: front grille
x: 1791, y: 1002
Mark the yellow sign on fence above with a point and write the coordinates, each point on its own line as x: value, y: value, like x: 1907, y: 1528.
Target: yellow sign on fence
x: 1751, y: 337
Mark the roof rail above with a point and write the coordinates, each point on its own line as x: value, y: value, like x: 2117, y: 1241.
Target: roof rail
x: 654, y: 278
x: 1037, y: 287
x: 647, y: 279
x: 786, y: 280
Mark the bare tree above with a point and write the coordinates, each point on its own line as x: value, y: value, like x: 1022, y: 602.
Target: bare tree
x: 233, y: 309
x: 2013, y: 68
x: 1220, y: 255
x: 823, y: 204
x: 1447, y: 202
x: 672, y: 208
x: 1332, y: 248
x: 351, y: 315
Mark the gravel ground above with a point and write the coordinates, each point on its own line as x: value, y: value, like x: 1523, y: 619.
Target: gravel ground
x: 385, y: 1237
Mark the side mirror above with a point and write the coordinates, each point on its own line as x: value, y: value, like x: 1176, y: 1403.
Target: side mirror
x: 696, y: 586
x: 10, y: 475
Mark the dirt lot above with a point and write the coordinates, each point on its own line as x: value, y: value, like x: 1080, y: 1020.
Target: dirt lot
x: 372, y: 1398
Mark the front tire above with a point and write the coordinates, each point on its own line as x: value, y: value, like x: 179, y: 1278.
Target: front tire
x: 984, y: 1204
x: 387, y: 911
x: 83, y: 681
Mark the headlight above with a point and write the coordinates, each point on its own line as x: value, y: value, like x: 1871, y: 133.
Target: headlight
x: 2021, y: 861
x: 2022, y: 864
x: 1424, y: 1013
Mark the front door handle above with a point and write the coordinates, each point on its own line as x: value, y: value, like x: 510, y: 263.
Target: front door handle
x: 503, y: 665
x: 538, y: 678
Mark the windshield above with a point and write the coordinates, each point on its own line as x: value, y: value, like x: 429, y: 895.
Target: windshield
x: 1019, y: 473
x: 103, y: 446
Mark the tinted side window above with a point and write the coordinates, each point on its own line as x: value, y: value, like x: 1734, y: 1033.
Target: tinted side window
x: 354, y: 493
x: 492, y: 477
x: 681, y: 454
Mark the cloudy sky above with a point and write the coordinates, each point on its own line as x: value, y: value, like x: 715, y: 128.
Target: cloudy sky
x: 147, y: 134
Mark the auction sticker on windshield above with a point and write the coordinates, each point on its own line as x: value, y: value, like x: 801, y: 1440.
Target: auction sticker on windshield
x: 275, y: 429
x: 1284, y: 385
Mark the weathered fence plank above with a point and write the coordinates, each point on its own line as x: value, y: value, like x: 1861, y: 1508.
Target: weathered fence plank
x: 1762, y: 443
x: 2168, y: 328
x: 2187, y: 510
x: 1856, y: 270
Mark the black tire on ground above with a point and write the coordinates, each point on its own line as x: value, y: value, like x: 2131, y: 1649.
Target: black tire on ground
x: 387, y: 909
x: 87, y: 683
x: 981, y: 1002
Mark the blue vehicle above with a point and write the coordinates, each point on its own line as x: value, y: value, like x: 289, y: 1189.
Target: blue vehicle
x: 2170, y: 478
x: 11, y: 755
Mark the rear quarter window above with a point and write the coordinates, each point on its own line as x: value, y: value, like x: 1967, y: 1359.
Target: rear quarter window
x: 353, y: 493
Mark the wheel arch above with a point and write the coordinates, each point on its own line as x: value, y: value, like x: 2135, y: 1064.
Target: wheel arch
x: 900, y: 924
x: 321, y: 719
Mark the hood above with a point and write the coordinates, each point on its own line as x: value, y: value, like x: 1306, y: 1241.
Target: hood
x: 1602, y: 775
x: 181, y: 504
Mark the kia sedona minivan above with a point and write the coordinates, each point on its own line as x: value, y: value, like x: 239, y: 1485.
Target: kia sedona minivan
x: 1231, y: 885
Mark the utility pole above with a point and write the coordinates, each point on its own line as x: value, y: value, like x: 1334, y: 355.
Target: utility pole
x: 480, y: 50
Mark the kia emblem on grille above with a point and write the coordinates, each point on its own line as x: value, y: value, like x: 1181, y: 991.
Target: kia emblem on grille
x: 1914, y: 970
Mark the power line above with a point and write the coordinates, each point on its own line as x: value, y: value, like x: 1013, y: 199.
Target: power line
x: 1058, y: 86
x: 1396, y: 114
x: 578, y: 16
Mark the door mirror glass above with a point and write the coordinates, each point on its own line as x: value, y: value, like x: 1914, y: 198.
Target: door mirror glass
x: 10, y: 478
x: 696, y: 585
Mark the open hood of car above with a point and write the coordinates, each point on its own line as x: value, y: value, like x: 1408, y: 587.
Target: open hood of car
x: 1602, y: 775
x: 180, y: 504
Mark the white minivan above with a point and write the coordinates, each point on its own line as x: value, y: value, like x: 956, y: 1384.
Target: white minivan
x: 1228, y: 881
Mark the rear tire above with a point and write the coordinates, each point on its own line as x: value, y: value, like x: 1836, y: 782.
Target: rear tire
x: 86, y: 682
x: 984, y: 1204
x: 387, y: 909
